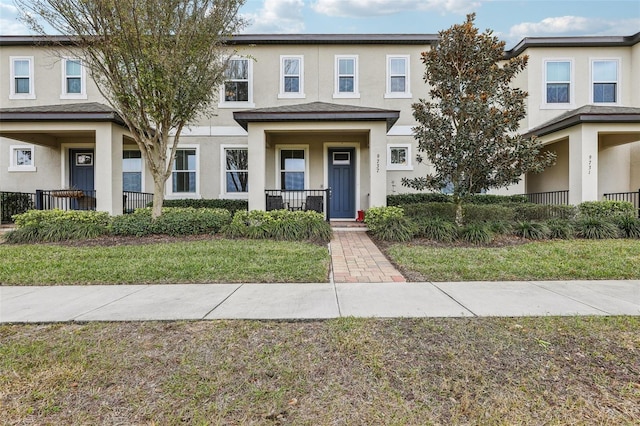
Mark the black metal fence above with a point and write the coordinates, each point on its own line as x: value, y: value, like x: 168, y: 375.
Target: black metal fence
x: 135, y: 200
x: 551, y: 197
x: 632, y: 197
x: 318, y: 200
x: 12, y: 203
x: 65, y: 199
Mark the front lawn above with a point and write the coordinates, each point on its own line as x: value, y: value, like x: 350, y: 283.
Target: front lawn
x: 347, y: 371
x: 188, y: 261
x: 544, y: 260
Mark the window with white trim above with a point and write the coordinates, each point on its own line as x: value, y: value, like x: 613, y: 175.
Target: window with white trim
x: 604, y: 77
x: 184, y: 177
x: 346, y: 83
x: 22, y: 158
x: 398, y: 76
x: 399, y: 157
x: 236, y: 170
x: 291, y: 77
x: 73, y: 79
x: 21, y: 84
x: 238, y: 87
x: 132, y: 171
x: 292, y: 168
x: 558, y: 82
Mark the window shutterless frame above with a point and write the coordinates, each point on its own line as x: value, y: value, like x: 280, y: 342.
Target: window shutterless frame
x: 605, y: 84
x: 346, y: 77
x: 21, y: 78
x: 73, y: 79
x: 291, y: 77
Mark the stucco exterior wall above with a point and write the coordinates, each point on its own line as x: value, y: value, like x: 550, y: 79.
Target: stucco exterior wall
x: 554, y: 178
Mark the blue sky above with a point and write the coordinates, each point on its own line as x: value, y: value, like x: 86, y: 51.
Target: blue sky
x: 511, y: 20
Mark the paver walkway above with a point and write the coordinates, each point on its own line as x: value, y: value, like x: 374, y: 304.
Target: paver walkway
x: 356, y: 259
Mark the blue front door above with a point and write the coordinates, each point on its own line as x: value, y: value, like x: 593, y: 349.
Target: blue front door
x: 342, y: 181
x: 81, y: 170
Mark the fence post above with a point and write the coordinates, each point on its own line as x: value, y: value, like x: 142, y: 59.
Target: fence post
x: 639, y: 203
x: 328, y: 191
x: 39, y: 199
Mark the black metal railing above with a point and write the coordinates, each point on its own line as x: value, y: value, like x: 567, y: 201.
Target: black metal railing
x: 632, y: 197
x: 318, y: 200
x: 12, y: 203
x: 135, y: 200
x: 550, y: 197
x: 65, y: 199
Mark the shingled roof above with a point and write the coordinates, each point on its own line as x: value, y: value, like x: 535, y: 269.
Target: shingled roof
x: 587, y: 114
x: 316, y: 111
x: 88, y: 111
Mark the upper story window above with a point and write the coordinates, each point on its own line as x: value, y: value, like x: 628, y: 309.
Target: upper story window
x: 185, y: 172
x: 604, y: 76
x: 558, y: 82
x: 346, y: 84
x: 21, y: 83
x: 238, y: 83
x: 73, y: 79
x: 398, y: 77
x: 291, y: 77
x: 236, y: 170
x: 22, y: 158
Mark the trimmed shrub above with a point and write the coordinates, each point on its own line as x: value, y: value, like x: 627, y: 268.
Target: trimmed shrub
x: 596, y: 228
x: 389, y: 224
x: 13, y: 203
x: 417, y: 198
x: 436, y: 229
x: 606, y: 209
x: 529, y: 212
x: 495, y: 199
x: 279, y: 225
x: 476, y: 213
x: 560, y: 229
x: 231, y: 205
x: 531, y: 230
x: 424, y: 211
x: 57, y: 225
x: 174, y: 221
x: 629, y: 226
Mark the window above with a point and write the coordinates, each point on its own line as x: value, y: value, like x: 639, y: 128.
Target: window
x: 21, y: 84
x: 604, y: 74
x: 292, y: 169
x: 346, y: 84
x: 236, y: 170
x: 237, y: 86
x: 558, y: 82
x: 132, y: 171
x: 398, y: 77
x: 73, y: 81
x: 291, y: 81
x: 22, y: 158
x: 399, y: 157
x: 184, y: 173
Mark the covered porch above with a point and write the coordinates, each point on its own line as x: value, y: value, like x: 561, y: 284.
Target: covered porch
x: 79, y: 164
x: 334, y: 153
x: 598, y: 155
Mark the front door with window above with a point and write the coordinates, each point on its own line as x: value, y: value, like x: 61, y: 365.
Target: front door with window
x: 81, y: 176
x: 342, y: 181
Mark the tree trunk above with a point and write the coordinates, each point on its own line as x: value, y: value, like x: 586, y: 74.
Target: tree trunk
x: 459, y: 213
x: 158, y: 195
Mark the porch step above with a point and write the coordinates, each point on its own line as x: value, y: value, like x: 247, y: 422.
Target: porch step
x: 348, y: 225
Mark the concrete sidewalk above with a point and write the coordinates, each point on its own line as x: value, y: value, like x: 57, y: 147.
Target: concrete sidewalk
x: 316, y: 301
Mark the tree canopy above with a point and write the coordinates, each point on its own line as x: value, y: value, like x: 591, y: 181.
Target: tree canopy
x: 468, y: 129
x: 157, y: 62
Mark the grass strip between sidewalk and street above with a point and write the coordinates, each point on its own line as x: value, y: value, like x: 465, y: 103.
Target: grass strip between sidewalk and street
x: 543, y: 260
x: 200, y: 261
x: 556, y: 371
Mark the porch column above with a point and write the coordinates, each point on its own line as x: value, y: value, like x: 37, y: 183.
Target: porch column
x: 108, y: 168
x: 378, y: 165
x: 583, y: 164
x: 257, y: 166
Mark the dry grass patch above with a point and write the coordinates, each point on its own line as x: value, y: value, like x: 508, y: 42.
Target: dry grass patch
x: 338, y: 372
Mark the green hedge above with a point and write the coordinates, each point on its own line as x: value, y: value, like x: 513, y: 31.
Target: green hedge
x: 436, y: 197
x: 36, y: 226
x: 606, y: 209
x: 174, y: 221
x: 232, y: 205
x: 279, y: 225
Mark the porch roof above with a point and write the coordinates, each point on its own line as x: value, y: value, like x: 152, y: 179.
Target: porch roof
x: 88, y: 111
x: 316, y: 111
x: 587, y: 114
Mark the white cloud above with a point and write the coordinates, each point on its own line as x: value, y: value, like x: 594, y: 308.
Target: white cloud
x: 9, y: 22
x: 573, y: 26
x: 364, y: 8
x: 277, y: 16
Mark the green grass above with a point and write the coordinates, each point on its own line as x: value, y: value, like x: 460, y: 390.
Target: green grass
x: 477, y: 371
x: 546, y: 260
x: 206, y: 261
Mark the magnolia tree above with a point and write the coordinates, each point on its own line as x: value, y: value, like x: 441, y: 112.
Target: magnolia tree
x: 468, y: 129
x: 157, y: 62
